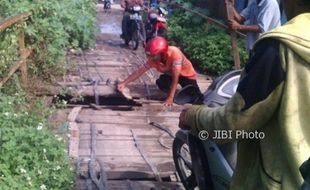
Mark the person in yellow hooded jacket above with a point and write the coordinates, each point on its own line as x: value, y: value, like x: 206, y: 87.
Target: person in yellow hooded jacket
x: 273, y: 97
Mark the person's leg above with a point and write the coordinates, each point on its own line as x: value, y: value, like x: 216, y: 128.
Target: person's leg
x: 183, y: 81
x: 124, y: 24
x: 195, y: 93
x: 164, y: 82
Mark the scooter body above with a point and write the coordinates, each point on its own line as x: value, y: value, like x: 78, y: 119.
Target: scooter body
x: 210, y: 166
x: 202, y: 164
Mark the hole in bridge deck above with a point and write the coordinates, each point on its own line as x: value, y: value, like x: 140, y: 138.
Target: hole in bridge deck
x: 103, y: 100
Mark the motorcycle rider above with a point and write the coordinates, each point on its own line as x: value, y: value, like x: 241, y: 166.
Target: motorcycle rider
x: 273, y: 97
x: 126, y: 5
x: 169, y: 60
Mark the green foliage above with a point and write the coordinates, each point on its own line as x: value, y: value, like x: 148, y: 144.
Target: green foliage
x: 208, y: 47
x: 31, y: 157
x: 53, y: 27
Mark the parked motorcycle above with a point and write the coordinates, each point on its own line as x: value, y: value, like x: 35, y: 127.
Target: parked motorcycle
x: 135, y: 28
x: 156, y: 25
x: 206, y: 165
x: 106, y: 5
x: 192, y: 157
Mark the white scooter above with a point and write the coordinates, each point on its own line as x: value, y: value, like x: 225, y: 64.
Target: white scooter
x: 206, y: 165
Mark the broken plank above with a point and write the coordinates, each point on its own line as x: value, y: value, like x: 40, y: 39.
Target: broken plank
x: 74, y: 113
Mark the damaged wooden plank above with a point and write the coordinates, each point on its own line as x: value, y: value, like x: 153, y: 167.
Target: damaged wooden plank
x: 74, y: 140
x: 74, y: 113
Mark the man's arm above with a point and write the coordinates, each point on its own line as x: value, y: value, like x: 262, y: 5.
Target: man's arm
x: 255, y: 102
x: 244, y: 28
x: 132, y: 77
x: 240, y: 19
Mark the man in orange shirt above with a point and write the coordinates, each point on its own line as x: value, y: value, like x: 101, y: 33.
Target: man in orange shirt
x: 169, y: 60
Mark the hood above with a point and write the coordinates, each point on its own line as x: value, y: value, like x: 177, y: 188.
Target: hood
x: 295, y: 34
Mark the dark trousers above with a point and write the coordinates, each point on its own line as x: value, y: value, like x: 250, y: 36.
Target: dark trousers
x: 164, y: 82
x: 125, y: 22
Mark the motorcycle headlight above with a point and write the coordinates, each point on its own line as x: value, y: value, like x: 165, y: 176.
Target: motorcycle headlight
x: 136, y: 8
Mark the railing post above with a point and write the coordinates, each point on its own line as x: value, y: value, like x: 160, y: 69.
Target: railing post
x: 23, y: 56
x: 24, y: 53
x: 234, y: 45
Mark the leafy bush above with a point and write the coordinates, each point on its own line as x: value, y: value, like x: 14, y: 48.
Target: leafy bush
x: 207, y: 46
x: 31, y: 157
x: 53, y: 27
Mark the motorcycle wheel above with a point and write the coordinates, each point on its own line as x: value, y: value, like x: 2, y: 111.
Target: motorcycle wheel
x: 182, y: 161
x: 135, y: 40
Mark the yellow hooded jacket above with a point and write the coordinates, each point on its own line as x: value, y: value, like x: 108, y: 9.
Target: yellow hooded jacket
x: 273, y: 97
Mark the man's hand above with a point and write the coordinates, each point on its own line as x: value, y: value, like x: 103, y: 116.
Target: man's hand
x: 234, y: 25
x: 121, y: 86
x: 182, y: 120
x: 168, y: 102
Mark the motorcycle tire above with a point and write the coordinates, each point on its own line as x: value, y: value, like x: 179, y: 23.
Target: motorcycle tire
x: 135, y: 40
x: 183, y: 166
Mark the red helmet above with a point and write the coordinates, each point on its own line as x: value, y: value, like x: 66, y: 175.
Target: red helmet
x: 157, y: 45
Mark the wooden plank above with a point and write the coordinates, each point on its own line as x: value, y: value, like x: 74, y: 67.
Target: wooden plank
x: 123, y: 129
x: 103, y: 53
x: 108, y: 130
x: 153, y: 138
x: 84, y: 127
x: 111, y: 144
x: 122, y: 119
x: 105, y: 70
x: 126, y: 151
x: 233, y: 36
x: 133, y: 185
x: 126, y: 142
x: 74, y: 113
x: 173, y: 123
x: 103, y: 63
x: 87, y: 112
x: 74, y: 140
x: 116, y: 160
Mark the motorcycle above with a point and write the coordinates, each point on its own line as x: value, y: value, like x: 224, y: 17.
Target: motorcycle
x: 157, y: 24
x: 192, y: 158
x: 106, y: 5
x: 206, y: 165
x: 135, y: 28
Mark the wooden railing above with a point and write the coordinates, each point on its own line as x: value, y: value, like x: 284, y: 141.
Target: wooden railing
x: 23, y: 51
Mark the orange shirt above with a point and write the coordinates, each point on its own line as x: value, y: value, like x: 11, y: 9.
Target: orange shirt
x: 175, y: 60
